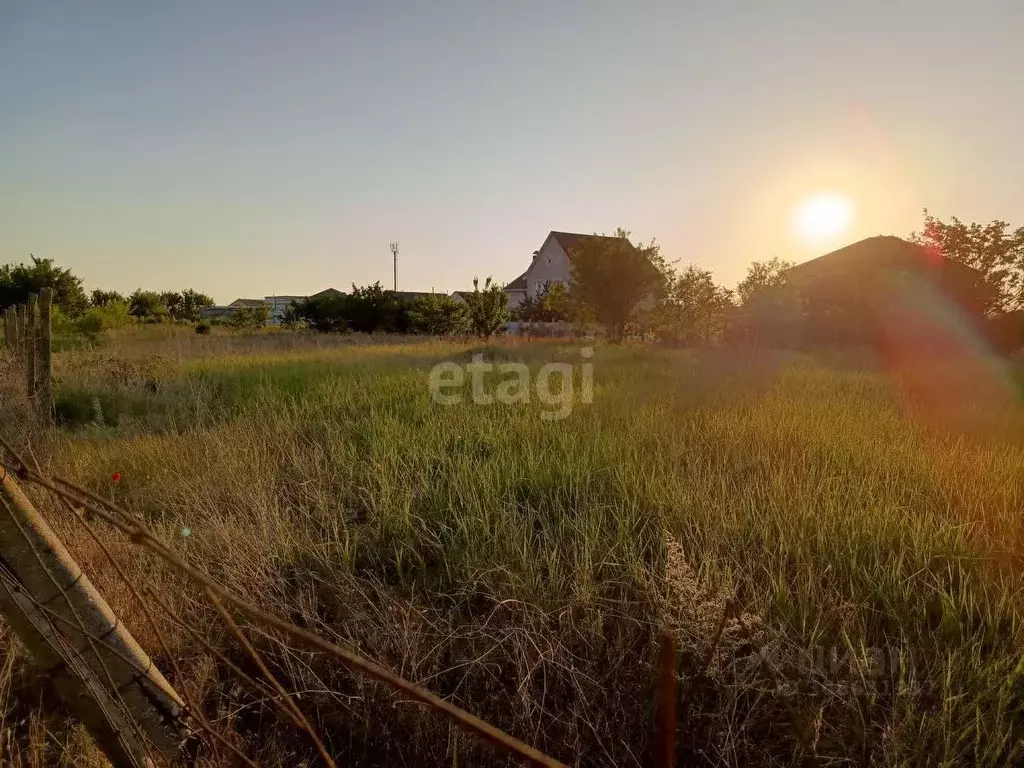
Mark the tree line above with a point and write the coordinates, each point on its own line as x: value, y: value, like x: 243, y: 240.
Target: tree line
x: 100, y: 309
x: 374, y: 309
x: 629, y: 290
x: 634, y: 291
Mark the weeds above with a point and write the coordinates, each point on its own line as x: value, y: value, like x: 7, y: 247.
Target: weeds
x: 523, y: 568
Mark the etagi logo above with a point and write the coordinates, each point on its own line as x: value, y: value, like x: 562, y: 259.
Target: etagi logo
x: 555, y: 384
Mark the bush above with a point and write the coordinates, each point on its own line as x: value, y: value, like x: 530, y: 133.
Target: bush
x: 203, y: 327
x: 487, y: 309
x: 438, y: 315
x: 249, y: 318
x: 104, y: 318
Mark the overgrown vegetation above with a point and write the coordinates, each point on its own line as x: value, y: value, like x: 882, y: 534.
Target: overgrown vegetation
x: 868, y: 529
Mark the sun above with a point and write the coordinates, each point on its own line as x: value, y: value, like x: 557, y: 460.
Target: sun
x: 823, y: 217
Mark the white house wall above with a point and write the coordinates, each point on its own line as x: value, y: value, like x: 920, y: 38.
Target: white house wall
x: 551, y: 265
x: 515, y: 298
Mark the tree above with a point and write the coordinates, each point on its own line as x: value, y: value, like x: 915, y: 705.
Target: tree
x: 148, y: 306
x: 171, y: 300
x: 488, y: 309
x: 995, y: 251
x: 101, y: 298
x: 17, y: 281
x: 325, y: 313
x: 249, y: 318
x: 372, y: 308
x: 552, y: 305
x: 186, y: 305
x: 693, y: 310
x: 762, y: 276
x: 614, y: 279
x: 772, y: 309
x: 438, y: 315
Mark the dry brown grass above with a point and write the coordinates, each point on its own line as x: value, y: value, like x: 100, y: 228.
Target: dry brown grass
x: 523, y: 569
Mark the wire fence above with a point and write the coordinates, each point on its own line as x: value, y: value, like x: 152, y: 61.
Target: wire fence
x: 133, y: 713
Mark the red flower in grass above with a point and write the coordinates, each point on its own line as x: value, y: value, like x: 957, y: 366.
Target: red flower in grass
x: 116, y: 477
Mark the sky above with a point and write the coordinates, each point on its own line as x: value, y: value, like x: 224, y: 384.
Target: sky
x: 250, y: 148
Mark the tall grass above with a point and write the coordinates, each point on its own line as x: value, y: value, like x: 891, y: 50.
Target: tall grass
x: 525, y: 567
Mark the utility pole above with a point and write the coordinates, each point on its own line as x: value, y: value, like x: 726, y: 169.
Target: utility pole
x: 394, y: 254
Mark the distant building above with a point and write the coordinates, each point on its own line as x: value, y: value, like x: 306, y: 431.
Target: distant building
x: 278, y: 306
x: 516, y: 290
x: 333, y: 292
x: 411, y: 296
x: 552, y: 263
x: 883, y: 292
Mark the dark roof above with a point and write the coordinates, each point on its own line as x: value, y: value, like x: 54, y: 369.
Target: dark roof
x: 247, y: 303
x: 519, y: 284
x: 412, y: 295
x: 880, y: 252
x: 880, y: 266
x: 327, y: 292
x: 571, y: 240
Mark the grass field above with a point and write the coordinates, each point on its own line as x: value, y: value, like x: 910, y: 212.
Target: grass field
x: 867, y: 521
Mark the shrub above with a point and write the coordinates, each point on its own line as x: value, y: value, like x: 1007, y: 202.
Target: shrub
x: 107, y: 317
x: 249, y: 318
x: 203, y: 327
x: 438, y: 315
x: 488, y: 309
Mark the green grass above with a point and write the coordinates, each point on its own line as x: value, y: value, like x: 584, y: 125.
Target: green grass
x: 518, y: 565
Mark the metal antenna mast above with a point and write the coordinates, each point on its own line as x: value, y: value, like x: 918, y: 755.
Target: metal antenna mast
x: 394, y: 254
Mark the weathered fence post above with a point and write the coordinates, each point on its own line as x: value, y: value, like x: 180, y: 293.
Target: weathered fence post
x: 19, y: 325
x: 9, y: 329
x: 30, y: 348
x: 106, y: 678
x: 44, y: 366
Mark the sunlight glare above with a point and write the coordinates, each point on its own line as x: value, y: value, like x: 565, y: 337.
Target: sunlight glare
x: 823, y: 217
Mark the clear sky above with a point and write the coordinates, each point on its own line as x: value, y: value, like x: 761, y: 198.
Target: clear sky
x: 250, y: 148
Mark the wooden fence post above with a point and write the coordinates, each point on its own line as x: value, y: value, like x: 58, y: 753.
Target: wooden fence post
x: 106, y: 678
x: 9, y: 328
x: 30, y: 348
x: 44, y: 367
x: 19, y: 314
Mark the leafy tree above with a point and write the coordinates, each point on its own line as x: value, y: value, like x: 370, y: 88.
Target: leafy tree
x: 325, y: 313
x: 614, y: 279
x: 995, y: 251
x: 148, y: 306
x: 192, y: 303
x: 694, y: 309
x: 438, y: 315
x: 552, y: 305
x: 249, y: 318
x: 772, y: 309
x: 372, y: 308
x: 488, y: 309
x: 185, y: 305
x: 762, y: 277
x: 171, y: 300
x: 17, y: 281
x: 101, y: 298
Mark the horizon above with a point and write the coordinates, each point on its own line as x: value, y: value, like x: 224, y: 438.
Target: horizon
x: 251, y: 150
